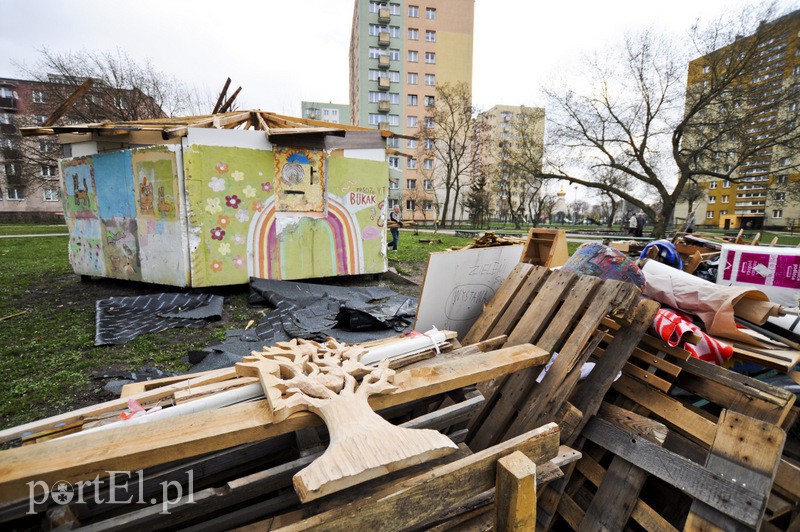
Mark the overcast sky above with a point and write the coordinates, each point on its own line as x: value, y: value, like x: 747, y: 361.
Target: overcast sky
x: 288, y: 51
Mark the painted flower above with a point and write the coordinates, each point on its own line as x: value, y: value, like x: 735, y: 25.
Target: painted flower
x: 232, y: 201
x: 213, y: 205
x: 249, y: 191
x: 216, y: 266
x: 237, y: 175
x: 243, y: 215
x: 223, y: 220
x: 257, y: 206
x: 266, y: 187
x: 222, y: 167
x: 217, y: 233
x: 224, y: 249
x: 238, y: 261
x: 217, y: 184
x: 238, y: 238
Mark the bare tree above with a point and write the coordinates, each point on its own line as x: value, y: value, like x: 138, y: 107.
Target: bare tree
x: 637, y: 118
x: 454, y: 134
x: 541, y: 203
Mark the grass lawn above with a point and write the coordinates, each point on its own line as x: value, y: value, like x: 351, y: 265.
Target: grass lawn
x: 33, y: 229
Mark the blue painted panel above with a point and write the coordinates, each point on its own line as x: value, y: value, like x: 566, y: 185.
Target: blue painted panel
x: 114, y: 180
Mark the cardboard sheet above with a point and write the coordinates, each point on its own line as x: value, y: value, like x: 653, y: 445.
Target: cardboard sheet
x: 710, y: 302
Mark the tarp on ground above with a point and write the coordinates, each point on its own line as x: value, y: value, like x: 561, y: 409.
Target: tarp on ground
x: 121, y: 319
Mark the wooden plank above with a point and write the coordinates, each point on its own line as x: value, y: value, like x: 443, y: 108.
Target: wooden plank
x: 657, y: 362
x: 69, y: 102
x: 747, y: 451
x: 133, y: 447
x: 497, y: 305
x: 515, y: 500
x: 81, y: 414
x: 645, y: 376
x: 693, y: 425
x: 727, y: 496
x: 520, y: 301
x: 422, y: 498
x: 563, y: 375
x: 735, y: 391
x: 588, y: 397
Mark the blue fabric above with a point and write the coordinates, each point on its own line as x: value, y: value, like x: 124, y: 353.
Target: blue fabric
x: 667, y: 253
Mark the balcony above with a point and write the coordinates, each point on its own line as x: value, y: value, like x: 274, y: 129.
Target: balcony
x: 9, y: 129
x: 384, y: 84
x: 384, y: 15
x: 384, y: 126
x: 383, y: 106
x: 8, y: 103
x: 384, y: 61
x: 10, y: 154
x: 384, y: 39
x: 313, y: 114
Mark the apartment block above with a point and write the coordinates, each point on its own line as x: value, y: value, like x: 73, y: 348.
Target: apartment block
x: 399, y: 53
x: 337, y: 113
x: 762, y: 190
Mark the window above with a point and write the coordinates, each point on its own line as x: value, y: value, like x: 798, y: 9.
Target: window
x: 413, y: 11
x: 430, y: 13
x: 394, y: 98
x: 394, y: 76
x: 394, y: 202
x: 427, y: 184
x: 430, y: 79
x: 47, y: 170
x: 428, y: 144
x: 375, y: 96
x: 780, y: 179
x: 7, y: 143
x: 427, y: 164
x: 413, y: 78
x: 394, y: 54
x: 411, y: 205
x: 796, y: 70
x: 785, y: 161
x: 5, y: 118
x: 376, y: 29
x: 412, y: 121
x: 413, y: 34
x: 712, y: 185
x: 15, y: 194
x: 40, y: 119
x: 777, y: 213
x: 430, y: 35
x: 411, y: 184
x: 394, y: 31
x: 120, y: 102
x: 394, y: 161
x: 430, y: 57
x: 393, y: 186
x: 375, y: 53
x: 412, y: 99
x: 429, y: 121
x: 726, y: 184
x: 411, y: 163
x: 412, y: 144
x: 374, y: 7
x: 427, y: 205
x: 375, y: 119
x: 394, y: 120
x: 712, y: 199
x: 50, y: 194
x: 723, y: 199
x: 706, y: 69
x: 413, y: 56
x: 723, y: 213
x: 429, y: 101
x: 11, y: 169
x: 393, y: 142
x: 5, y: 92
x: 394, y: 9
x: 709, y: 214
x: 38, y: 96
x: 780, y: 196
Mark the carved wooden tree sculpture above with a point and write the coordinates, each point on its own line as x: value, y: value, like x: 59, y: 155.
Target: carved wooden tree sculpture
x: 323, y: 378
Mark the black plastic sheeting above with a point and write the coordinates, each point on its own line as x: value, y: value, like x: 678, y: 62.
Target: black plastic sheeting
x: 121, y: 319
x: 314, y: 312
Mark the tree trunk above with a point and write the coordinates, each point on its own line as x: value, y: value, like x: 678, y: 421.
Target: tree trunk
x: 364, y: 446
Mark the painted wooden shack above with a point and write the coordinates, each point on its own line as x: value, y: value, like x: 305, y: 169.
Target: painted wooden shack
x: 213, y: 200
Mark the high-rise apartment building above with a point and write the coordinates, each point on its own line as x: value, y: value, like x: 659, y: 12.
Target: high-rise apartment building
x: 399, y: 52
x: 759, y: 153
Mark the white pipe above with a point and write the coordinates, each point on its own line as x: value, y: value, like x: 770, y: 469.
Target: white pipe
x: 218, y: 400
x: 413, y: 344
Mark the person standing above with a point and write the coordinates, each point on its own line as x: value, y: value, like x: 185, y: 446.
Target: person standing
x: 633, y: 223
x: 397, y: 220
x: 640, y: 220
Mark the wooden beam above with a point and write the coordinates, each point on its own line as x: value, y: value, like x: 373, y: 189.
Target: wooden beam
x: 221, y: 97
x: 422, y: 498
x: 515, y: 499
x: 134, y: 447
x: 69, y: 102
x: 229, y: 102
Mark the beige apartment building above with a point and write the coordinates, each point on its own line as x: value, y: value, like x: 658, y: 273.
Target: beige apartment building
x: 399, y: 53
